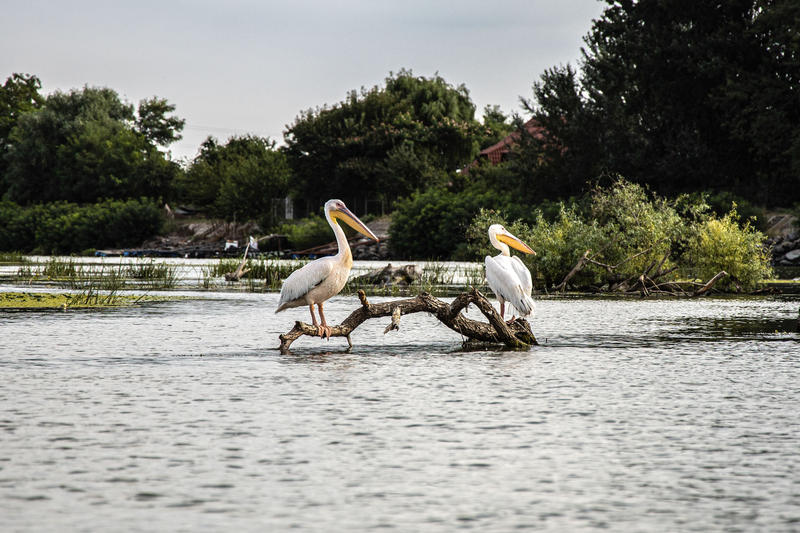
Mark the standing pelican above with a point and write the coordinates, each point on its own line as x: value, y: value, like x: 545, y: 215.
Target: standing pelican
x: 324, y: 277
x: 507, y: 276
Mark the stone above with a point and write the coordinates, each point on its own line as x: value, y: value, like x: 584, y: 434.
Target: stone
x: 792, y: 255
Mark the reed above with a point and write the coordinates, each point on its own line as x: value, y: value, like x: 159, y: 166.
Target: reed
x: 271, y: 271
x: 13, y: 258
x: 153, y: 275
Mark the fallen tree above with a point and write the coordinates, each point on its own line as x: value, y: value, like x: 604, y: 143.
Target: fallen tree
x: 645, y: 283
x: 516, y: 334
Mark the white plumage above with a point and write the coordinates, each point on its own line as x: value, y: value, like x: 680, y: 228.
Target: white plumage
x: 325, y: 277
x: 508, y: 277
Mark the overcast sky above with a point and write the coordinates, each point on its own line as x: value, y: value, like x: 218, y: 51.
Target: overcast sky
x: 248, y: 66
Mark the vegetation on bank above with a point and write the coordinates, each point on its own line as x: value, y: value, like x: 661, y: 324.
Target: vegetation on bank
x: 629, y: 233
x: 64, y: 227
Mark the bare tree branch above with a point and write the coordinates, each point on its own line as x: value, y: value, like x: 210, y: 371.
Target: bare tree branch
x: 517, y: 334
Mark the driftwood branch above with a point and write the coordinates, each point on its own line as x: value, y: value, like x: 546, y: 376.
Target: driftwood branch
x: 517, y: 334
x: 709, y: 284
x: 241, y: 270
x: 644, y: 283
x: 577, y: 268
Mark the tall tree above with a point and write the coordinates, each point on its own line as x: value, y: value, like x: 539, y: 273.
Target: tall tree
x: 385, y: 141
x: 158, y: 128
x: 18, y: 95
x: 682, y: 95
x: 83, y: 146
x: 238, y: 180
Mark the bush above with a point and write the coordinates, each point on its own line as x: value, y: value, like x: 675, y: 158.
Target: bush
x: 307, y: 232
x: 432, y: 224
x: 63, y: 227
x: 620, y: 223
x: 724, y: 244
x: 631, y: 223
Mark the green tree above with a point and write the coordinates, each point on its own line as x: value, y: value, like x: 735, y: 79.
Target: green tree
x: 383, y: 142
x: 496, y: 126
x: 680, y: 95
x: 82, y: 146
x: 238, y: 180
x: 18, y: 95
x: 158, y: 128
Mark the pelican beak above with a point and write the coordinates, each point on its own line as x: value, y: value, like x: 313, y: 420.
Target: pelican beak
x: 515, y: 243
x: 351, y: 220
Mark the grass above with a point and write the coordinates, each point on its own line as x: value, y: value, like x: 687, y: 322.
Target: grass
x: 154, y: 275
x: 69, y: 274
x: 271, y: 271
x: 13, y: 258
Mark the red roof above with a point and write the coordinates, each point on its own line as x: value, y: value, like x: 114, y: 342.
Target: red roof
x: 495, y: 152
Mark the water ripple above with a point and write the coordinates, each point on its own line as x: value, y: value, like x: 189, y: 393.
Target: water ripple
x: 631, y: 415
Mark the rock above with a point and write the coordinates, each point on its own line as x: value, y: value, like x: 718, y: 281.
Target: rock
x: 793, y: 255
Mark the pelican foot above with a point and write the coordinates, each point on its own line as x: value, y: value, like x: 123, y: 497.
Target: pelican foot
x: 324, y: 332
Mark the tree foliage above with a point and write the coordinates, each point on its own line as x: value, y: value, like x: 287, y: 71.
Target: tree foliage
x: 63, y: 227
x: 386, y: 141
x: 679, y: 95
x: 158, y: 128
x: 238, y: 180
x: 18, y: 95
x: 83, y: 146
x: 625, y: 227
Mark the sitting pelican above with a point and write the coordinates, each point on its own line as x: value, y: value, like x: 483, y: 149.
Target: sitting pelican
x: 324, y: 277
x: 507, y: 276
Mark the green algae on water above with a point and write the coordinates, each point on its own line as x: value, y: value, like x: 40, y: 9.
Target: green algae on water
x: 90, y: 300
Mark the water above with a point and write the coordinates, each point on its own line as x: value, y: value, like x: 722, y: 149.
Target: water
x: 657, y: 415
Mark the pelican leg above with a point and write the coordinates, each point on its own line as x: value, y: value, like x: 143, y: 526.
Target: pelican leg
x: 314, y: 319
x: 502, y: 309
x: 325, y: 327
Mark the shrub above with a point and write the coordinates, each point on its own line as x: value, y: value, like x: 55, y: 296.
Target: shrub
x: 432, y: 224
x: 621, y: 222
x: 632, y: 222
x: 725, y: 244
x: 307, y: 232
x: 63, y: 227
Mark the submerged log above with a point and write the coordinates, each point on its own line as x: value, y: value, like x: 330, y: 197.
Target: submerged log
x: 516, y: 334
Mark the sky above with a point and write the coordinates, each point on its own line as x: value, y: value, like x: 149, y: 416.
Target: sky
x: 239, y: 67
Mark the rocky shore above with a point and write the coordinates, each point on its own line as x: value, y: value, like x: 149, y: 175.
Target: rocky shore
x: 784, y: 241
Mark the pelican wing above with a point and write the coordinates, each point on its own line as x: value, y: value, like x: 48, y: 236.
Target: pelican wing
x: 302, y: 280
x: 523, y: 273
x: 504, y: 280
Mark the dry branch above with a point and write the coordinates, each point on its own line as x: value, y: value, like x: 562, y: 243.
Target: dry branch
x: 517, y: 334
x: 709, y: 284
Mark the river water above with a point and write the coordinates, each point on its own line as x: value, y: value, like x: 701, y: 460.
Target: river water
x: 632, y: 415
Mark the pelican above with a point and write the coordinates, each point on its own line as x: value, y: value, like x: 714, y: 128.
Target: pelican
x: 507, y: 276
x: 324, y: 277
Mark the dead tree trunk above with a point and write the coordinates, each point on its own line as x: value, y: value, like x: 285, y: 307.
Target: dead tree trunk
x: 517, y: 334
